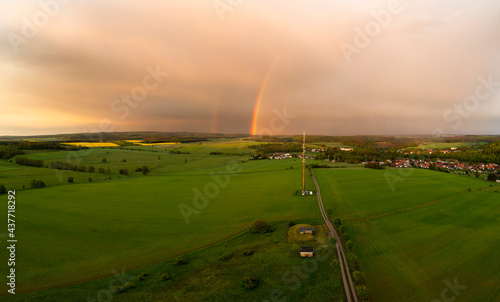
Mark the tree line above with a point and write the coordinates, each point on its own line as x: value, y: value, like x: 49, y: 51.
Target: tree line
x: 20, y: 160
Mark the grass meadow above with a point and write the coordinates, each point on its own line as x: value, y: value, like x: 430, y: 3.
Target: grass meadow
x: 415, y: 235
x: 413, y: 230
x: 75, y: 232
x: 216, y: 273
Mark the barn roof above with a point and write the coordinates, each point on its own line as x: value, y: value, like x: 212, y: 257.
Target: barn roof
x: 305, y: 229
x: 306, y: 249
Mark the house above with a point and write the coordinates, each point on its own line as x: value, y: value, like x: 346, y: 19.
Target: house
x: 307, y: 251
x: 303, y: 230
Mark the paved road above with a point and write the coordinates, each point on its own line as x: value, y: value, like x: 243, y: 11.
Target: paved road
x: 350, y: 292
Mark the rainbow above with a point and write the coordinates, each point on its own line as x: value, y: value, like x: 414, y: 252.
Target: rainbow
x: 258, y: 101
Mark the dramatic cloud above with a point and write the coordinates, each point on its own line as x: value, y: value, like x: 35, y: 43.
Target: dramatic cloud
x: 339, y: 67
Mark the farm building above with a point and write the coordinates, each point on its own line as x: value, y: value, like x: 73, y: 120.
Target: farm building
x: 303, y: 230
x: 307, y: 251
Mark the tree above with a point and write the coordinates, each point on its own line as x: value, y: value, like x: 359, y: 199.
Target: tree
x: 90, y: 179
x: 476, y: 174
x: 124, y: 171
x: 357, y: 276
x: 70, y: 179
x: 492, y: 177
x: 333, y: 241
x: 348, y: 245
x: 260, y: 226
x: 342, y: 229
x: 104, y: 160
x: 37, y: 183
x: 145, y: 170
x: 179, y: 261
x: 250, y: 282
x: 2, y: 189
x: 337, y: 222
x: 91, y: 169
x: 362, y: 291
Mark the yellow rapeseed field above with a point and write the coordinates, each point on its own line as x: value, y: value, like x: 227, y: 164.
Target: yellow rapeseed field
x: 87, y: 144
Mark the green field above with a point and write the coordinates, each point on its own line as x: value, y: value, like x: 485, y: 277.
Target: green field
x: 71, y: 233
x: 412, y: 229
x: 432, y: 145
x: 205, y: 277
x: 423, y: 231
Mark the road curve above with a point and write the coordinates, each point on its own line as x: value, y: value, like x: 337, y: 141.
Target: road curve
x: 350, y: 292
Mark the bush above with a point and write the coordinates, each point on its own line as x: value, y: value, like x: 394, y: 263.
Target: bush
x: 342, y: 229
x: 226, y: 257
x: 362, y: 291
x: 291, y: 223
x: 332, y: 241
x: 348, y: 245
x: 248, y: 252
x: 117, y: 289
x: 123, y: 171
x: 334, y: 262
x: 374, y: 165
x: 179, y: 261
x: 164, y: 277
x: 2, y: 189
x: 357, y: 276
x: 250, y: 282
x: 37, y: 183
x: 337, y: 222
x: 140, y: 277
x: 70, y: 180
x: 91, y: 169
x: 90, y: 179
x: 351, y: 258
x: 329, y: 211
x: 346, y: 236
x: 129, y: 285
x: 260, y: 226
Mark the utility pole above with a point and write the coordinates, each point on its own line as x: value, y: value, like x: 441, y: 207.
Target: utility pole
x: 304, y: 163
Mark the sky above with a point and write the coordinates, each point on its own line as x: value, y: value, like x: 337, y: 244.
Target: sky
x: 331, y: 67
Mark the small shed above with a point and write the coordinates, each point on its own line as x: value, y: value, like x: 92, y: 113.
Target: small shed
x: 307, y: 251
x: 303, y: 230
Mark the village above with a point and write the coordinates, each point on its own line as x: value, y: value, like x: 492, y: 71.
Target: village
x: 451, y: 165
